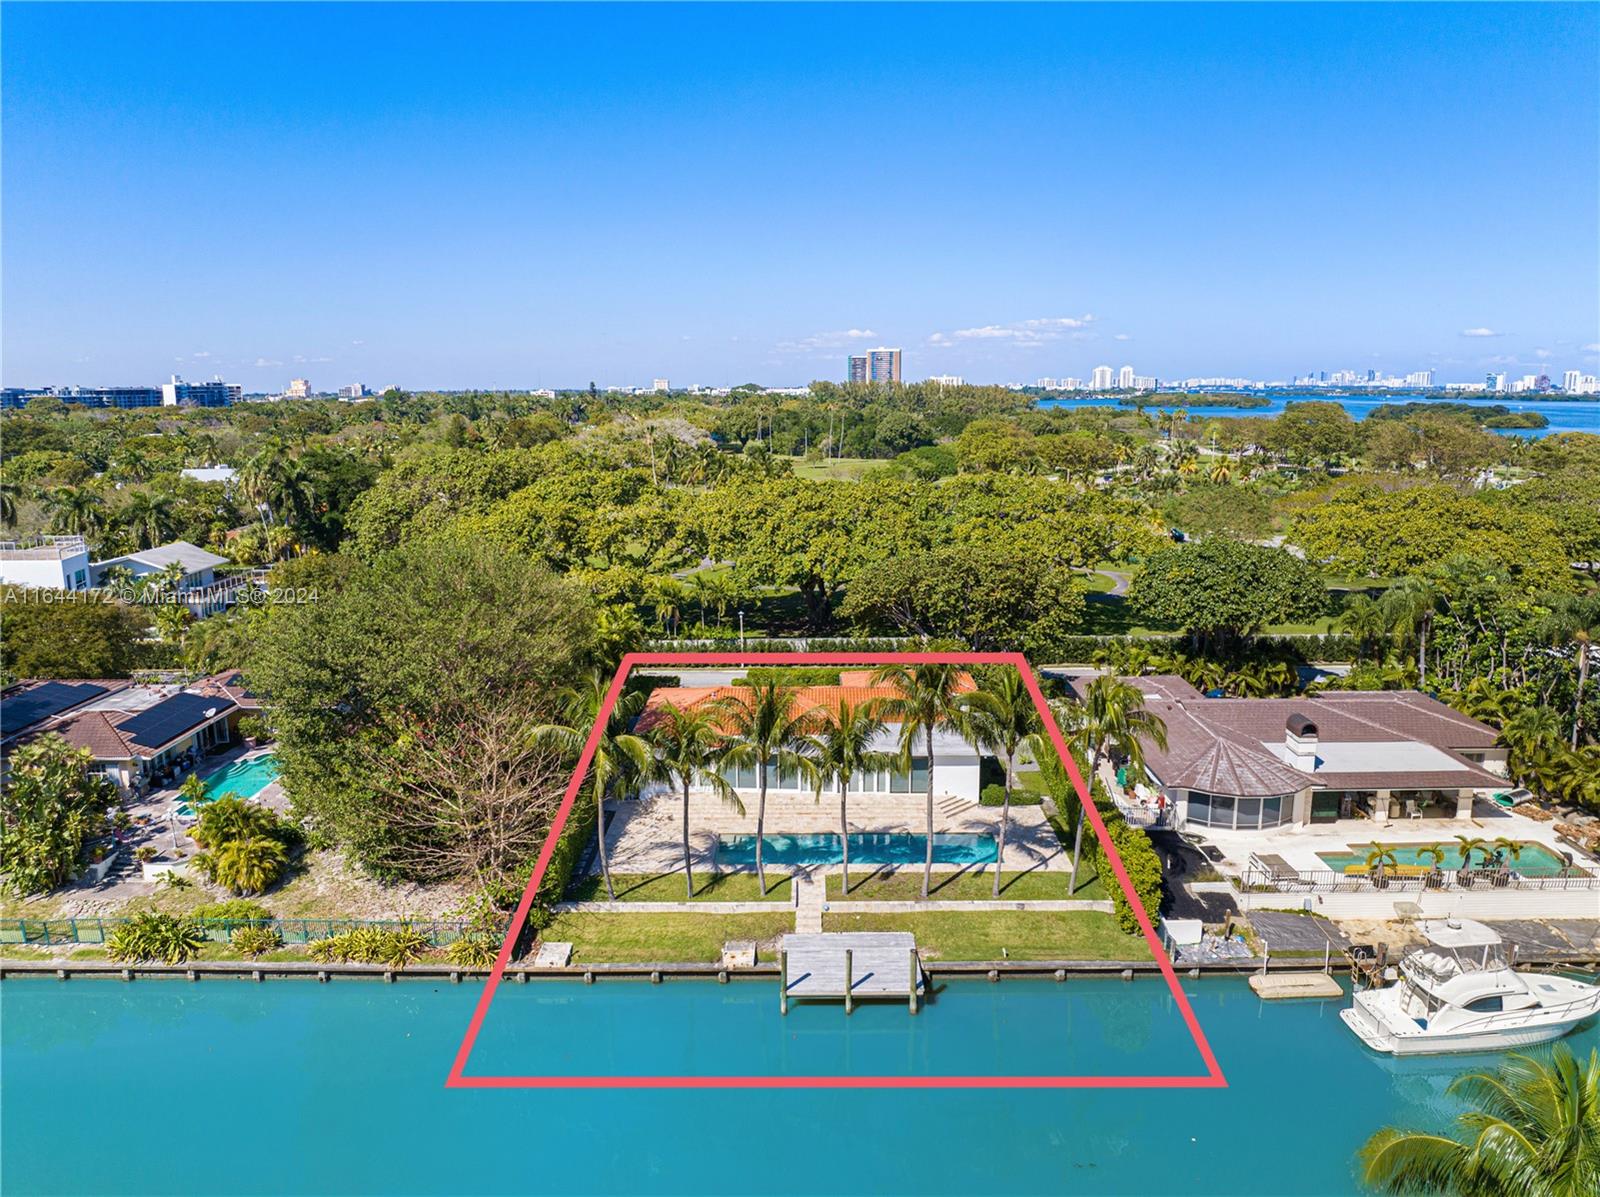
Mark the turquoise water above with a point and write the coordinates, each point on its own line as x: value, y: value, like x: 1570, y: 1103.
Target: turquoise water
x: 1536, y: 860
x: 1576, y: 416
x: 244, y: 778
x: 948, y: 848
x: 339, y: 1088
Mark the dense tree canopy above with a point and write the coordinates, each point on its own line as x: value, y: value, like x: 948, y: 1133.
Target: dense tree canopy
x: 1222, y: 589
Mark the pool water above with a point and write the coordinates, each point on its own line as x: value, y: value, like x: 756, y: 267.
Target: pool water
x: 1535, y: 861
x: 246, y: 778
x: 349, y: 1077
x: 892, y: 849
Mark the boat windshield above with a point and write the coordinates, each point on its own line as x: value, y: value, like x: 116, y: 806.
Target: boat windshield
x: 1438, y: 964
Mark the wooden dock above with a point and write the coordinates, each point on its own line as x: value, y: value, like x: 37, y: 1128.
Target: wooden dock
x: 850, y: 966
x: 1274, y: 987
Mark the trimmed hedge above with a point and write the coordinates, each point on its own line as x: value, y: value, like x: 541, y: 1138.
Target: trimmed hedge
x: 575, y: 839
x: 995, y: 795
x: 1144, y: 870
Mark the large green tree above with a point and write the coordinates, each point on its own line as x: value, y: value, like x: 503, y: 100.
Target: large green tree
x: 54, y: 634
x: 413, y: 669
x: 1220, y: 590
x: 50, y: 805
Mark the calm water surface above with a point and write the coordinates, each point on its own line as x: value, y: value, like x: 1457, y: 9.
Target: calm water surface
x: 294, y: 1087
x: 1576, y: 416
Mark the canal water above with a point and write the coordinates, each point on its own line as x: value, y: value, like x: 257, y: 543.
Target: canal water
x: 1581, y: 415
x: 227, y: 1086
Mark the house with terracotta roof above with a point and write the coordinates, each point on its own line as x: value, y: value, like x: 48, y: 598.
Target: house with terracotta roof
x: 133, y: 732
x: 1260, y: 763
x: 955, y: 761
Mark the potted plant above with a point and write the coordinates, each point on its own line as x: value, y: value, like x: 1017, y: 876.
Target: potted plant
x: 1435, y: 877
x: 1379, y: 859
x: 1466, y: 845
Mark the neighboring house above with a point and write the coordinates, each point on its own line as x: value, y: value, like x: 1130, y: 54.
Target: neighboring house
x: 222, y: 474
x: 46, y: 563
x: 1255, y: 763
x: 133, y: 732
x: 198, y: 564
x: 955, y: 761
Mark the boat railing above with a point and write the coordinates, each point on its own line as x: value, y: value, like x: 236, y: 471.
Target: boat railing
x: 1501, y: 1020
x: 1416, y: 964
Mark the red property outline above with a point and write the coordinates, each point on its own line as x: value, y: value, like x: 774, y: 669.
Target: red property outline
x: 1212, y: 1079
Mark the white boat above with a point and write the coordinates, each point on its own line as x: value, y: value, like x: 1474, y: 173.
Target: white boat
x: 1458, y: 994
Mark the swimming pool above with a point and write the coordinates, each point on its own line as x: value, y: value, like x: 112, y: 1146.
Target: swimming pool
x: 246, y: 778
x: 1535, y: 860
x: 897, y: 848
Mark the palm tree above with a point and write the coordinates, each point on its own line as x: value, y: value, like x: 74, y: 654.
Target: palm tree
x: 928, y: 701
x: 150, y: 518
x: 1111, y: 720
x: 685, y: 745
x: 1221, y: 471
x: 1366, y: 620
x: 1531, y: 735
x: 841, y: 751
x: 1575, y: 620
x: 617, y: 755
x: 1410, y: 607
x: 292, y: 494
x: 75, y: 510
x: 1466, y: 845
x: 249, y: 865
x: 1533, y: 1131
x: 10, y: 492
x: 766, y: 728
x: 1380, y: 858
x: 1003, y: 719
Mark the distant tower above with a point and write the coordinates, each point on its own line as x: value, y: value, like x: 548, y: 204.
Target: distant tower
x: 1101, y: 380
x: 883, y: 365
x: 859, y: 367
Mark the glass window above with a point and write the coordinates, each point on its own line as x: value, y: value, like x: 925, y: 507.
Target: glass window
x: 772, y: 775
x: 1249, y: 813
x: 747, y: 778
x: 919, y: 774
x: 1199, y: 808
x: 1271, y: 812
x: 899, y: 782
x: 1221, y: 810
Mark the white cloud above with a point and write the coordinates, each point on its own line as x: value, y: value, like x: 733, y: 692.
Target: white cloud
x: 1023, y: 332
x: 262, y: 362
x: 1122, y: 337
x: 1480, y: 332
x: 817, y: 342
x: 1541, y: 354
x: 1594, y: 348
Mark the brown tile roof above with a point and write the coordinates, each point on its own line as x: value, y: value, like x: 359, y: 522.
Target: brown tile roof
x: 1218, y: 745
x: 96, y: 731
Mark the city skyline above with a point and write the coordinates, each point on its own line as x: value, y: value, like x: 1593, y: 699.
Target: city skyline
x: 479, y: 224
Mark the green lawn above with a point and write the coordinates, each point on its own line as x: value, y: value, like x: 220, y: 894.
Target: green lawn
x: 967, y: 886
x: 661, y: 938
x: 843, y: 469
x: 1003, y: 934
x: 668, y: 887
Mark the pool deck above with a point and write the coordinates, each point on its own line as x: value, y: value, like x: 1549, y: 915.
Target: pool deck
x: 646, y: 835
x: 1301, y: 846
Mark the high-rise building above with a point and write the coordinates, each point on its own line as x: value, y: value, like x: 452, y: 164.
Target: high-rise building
x: 859, y: 367
x: 1494, y: 382
x: 299, y: 388
x: 1571, y: 381
x: 355, y: 390
x: 215, y: 393
x: 883, y: 365
x: 1125, y: 378
x: 1101, y: 380
x: 1072, y: 384
x: 660, y: 385
x: 1419, y: 378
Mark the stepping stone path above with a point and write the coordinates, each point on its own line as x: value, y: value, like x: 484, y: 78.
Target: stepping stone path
x: 810, y: 898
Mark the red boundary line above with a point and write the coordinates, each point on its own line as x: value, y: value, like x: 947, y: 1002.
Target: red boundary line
x: 1212, y: 1079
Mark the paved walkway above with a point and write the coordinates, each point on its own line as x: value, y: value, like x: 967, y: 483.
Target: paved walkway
x: 810, y: 902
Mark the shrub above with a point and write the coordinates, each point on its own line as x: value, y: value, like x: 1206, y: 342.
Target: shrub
x: 239, y: 910
x: 993, y: 794
x: 790, y: 675
x: 373, y: 945
x: 145, y: 853
x: 1144, y: 870
x: 474, y: 950
x: 156, y: 937
x: 254, y: 727
x: 255, y: 941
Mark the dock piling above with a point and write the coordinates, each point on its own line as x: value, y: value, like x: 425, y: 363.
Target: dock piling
x: 912, y: 999
x: 783, y: 980
x: 849, y: 982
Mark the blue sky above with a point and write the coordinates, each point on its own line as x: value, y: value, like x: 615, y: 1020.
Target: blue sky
x: 527, y: 196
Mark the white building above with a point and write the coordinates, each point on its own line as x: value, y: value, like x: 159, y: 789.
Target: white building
x: 1419, y: 378
x: 947, y: 380
x: 1101, y: 379
x: 299, y: 388
x: 1125, y: 378
x: 1494, y: 382
x: 660, y: 385
x: 354, y: 391
x: 198, y: 564
x: 956, y: 763
x: 46, y: 563
x: 215, y: 393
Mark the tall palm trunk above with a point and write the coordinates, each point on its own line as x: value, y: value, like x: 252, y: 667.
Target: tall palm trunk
x: 761, y: 825
x: 1077, y: 838
x: 600, y: 838
x: 1422, y: 651
x: 1005, y: 820
x: 688, y: 869
x: 927, y: 866
x: 844, y: 831
x: 1583, y: 678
